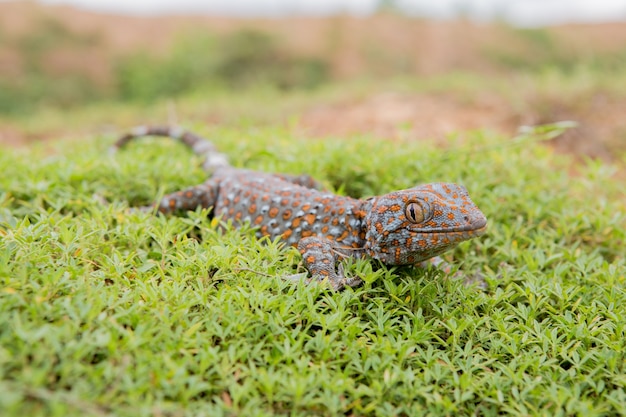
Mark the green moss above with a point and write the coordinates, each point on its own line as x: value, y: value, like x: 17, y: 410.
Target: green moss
x: 106, y: 311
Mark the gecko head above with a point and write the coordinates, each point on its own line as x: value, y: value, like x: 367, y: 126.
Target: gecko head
x: 409, y: 226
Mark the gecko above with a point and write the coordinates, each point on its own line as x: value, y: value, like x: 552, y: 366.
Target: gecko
x: 406, y: 227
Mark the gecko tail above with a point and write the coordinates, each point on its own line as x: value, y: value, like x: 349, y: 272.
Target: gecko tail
x: 200, y: 146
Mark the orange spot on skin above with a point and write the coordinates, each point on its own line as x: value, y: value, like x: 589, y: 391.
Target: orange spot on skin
x: 273, y: 212
x: 451, y: 216
x: 341, y: 210
x: 258, y: 220
x: 172, y: 203
x: 422, y: 243
x: 295, y: 203
x: 325, y: 229
x: 287, y: 233
x: 395, y: 208
x: 296, y: 222
x: 238, y: 215
x: 335, y: 221
x: 310, y: 259
x: 286, y: 214
x: 344, y: 235
x: 236, y: 199
x: 307, y: 233
x: 310, y: 218
x: 189, y: 194
x: 306, y: 207
x: 264, y: 231
x: 284, y: 202
x: 265, y: 197
x: 252, y: 208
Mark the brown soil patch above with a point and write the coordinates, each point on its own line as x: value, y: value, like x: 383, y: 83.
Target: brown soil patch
x: 601, y: 126
x: 427, y: 116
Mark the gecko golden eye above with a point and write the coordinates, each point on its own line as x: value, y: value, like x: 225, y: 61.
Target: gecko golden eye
x: 415, y: 212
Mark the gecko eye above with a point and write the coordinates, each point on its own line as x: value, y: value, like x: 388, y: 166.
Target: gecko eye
x: 415, y: 212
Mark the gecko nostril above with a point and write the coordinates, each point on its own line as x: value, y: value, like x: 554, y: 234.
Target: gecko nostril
x: 466, y: 218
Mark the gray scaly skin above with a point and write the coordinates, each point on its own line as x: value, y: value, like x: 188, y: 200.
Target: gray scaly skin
x: 400, y: 228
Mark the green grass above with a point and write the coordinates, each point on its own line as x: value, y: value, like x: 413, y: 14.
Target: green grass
x: 109, y: 312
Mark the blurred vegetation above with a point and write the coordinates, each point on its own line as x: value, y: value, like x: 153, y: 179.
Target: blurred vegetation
x: 244, y: 59
x: 240, y: 60
x: 537, y: 49
x: 36, y: 85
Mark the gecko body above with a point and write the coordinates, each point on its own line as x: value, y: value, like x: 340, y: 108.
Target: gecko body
x: 400, y: 228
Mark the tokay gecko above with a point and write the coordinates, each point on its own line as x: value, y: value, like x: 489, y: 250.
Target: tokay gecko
x: 399, y: 228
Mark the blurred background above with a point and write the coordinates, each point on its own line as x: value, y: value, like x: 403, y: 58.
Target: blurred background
x: 407, y: 69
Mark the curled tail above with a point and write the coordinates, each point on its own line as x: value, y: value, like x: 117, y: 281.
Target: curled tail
x: 200, y: 146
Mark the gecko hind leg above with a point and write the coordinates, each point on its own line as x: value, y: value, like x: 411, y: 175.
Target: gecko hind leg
x: 203, y: 195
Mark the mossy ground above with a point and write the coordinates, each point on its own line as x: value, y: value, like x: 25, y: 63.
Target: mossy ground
x: 110, y: 312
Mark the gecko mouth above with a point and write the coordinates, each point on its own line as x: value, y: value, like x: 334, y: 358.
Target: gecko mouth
x: 479, y: 231
x: 474, y: 229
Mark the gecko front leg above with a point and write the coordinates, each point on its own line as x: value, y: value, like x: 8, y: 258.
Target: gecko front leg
x: 320, y: 257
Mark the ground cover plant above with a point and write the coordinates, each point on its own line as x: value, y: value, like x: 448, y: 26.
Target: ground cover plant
x: 109, y: 312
